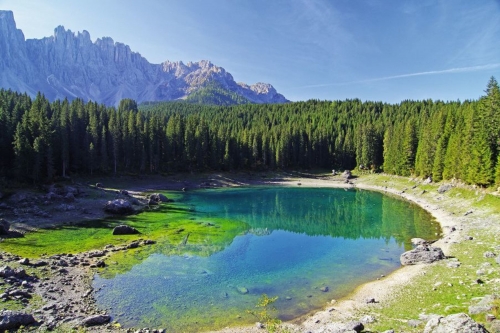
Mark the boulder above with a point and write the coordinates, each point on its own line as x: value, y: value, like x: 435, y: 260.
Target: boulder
x: 347, y: 174
x: 418, y: 241
x: 10, y: 320
x: 69, y: 197
x: 18, y: 273
x: 51, y: 196
x: 4, y: 227
x: 124, y: 230
x: 428, y: 180
x: 489, y: 254
x: 18, y: 198
x: 119, y: 207
x: 337, y: 327
x: 96, y: 320
x: 422, y: 254
x: 457, y: 323
x: 485, y: 305
x: 445, y: 188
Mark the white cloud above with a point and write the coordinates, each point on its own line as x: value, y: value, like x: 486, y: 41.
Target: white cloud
x: 394, y: 77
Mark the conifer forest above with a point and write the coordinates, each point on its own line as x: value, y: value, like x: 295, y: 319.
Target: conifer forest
x: 42, y: 140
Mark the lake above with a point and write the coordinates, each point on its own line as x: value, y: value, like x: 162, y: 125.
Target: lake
x: 305, y: 245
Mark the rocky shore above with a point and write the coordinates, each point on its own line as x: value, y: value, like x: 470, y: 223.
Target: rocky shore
x: 55, y: 292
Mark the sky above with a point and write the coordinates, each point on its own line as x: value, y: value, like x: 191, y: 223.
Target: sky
x: 377, y: 50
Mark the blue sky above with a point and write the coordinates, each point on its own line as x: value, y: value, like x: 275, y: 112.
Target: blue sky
x: 380, y: 50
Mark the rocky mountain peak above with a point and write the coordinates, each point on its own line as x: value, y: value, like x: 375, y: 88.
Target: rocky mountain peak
x: 70, y: 65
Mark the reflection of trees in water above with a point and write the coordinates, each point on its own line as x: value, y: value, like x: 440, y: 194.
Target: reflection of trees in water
x: 348, y: 214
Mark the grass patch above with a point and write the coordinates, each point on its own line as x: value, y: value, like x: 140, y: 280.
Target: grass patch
x: 440, y: 289
x: 172, y: 224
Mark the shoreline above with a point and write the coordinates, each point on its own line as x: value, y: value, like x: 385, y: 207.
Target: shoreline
x: 382, y: 290
x: 352, y: 305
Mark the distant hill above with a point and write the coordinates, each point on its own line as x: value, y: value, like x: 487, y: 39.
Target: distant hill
x: 214, y: 94
x: 69, y: 65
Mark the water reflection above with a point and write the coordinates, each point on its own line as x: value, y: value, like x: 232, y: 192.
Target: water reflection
x: 297, y: 241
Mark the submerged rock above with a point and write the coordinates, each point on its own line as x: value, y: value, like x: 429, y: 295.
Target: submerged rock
x: 242, y: 290
x: 96, y: 320
x: 422, y: 254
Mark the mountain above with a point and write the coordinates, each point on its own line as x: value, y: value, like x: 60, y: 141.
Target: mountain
x: 70, y: 65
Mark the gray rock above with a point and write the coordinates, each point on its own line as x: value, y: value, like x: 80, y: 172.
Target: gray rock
x: 368, y: 319
x: 69, y: 197
x: 422, y: 254
x: 96, y: 254
x: 347, y: 174
x: 124, y: 230
x: 10, y: 320
x: 414, y: 323
x: 489, y: 254
x: 96, y: 320
x: 51, y: 196
x: 158, y: 197
x: 119, y: 207
x: 354, y: 326
x: 4, y: 227
x: 484, y: 305
x: 105, y: 71
x: 24, y: 261
x: 418, y: 241
x: 428, y: 180
x: 453, y: 264
x: 7, y: 272
x: 337, y: 327
x: 497, y: 260
x: 457, y: 323
x: 133, y: 245
x: 445, y: 188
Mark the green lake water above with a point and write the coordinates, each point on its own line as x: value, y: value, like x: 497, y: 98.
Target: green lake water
x: 293, y: 243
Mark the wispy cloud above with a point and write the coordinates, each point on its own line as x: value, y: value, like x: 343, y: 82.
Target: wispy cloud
x: 394, y: 77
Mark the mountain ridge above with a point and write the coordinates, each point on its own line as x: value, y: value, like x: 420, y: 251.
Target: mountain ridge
x: 69, y: 65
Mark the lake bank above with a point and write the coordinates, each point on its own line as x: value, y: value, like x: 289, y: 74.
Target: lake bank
x: 449, y: 211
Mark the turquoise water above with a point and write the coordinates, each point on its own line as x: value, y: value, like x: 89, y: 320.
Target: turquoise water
x: 298, y: 241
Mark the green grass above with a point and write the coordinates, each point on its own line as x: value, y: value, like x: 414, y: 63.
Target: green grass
x: 443, y: 290
x: 169, y: 224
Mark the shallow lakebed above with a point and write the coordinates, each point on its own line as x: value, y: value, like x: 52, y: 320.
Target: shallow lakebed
x: 304, y: 245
